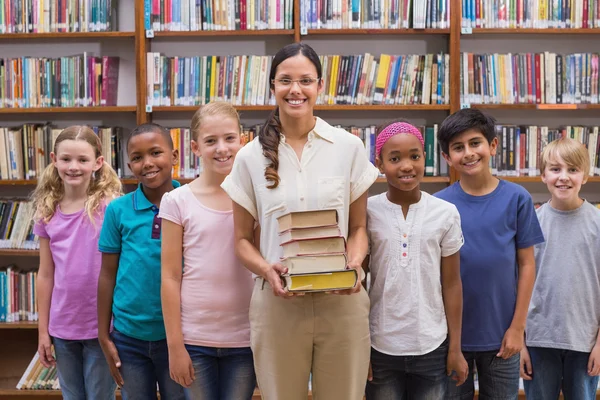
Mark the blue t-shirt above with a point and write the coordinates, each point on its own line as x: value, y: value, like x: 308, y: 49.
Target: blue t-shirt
x: 494, y: 227
x: 132, y: 228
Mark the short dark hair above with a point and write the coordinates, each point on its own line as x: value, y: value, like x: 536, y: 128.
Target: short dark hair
x: 462, y: 121
x: 150, y: 127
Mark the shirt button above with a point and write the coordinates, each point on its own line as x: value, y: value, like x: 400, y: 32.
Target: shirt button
x: 301, y: 198
x: 309, y: 146
x: 156, y: 226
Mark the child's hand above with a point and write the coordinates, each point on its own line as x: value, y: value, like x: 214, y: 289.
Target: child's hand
x: 526, y: 370
x: 45, y: 350
x: 112, y: 358
x: 456, y: 362
x: 180, y: 366
x: 594, y: 361
x: 512, y: 343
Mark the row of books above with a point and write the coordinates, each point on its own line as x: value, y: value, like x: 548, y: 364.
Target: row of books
x: 37, y: 16
x: 530, y: 78
x: 538, y: 14
x: 375, y: 14
x: 16, y: 225
x: 353, y: 79
x: 74, y: 81
x: 17, y: 295
x: 38, y: 377
x: 519, y: 148
x: 25, y: 150
x: 209, y: 15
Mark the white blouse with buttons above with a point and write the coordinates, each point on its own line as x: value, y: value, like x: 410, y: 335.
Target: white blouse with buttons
x: 333, y: 172
x: 407, y: 309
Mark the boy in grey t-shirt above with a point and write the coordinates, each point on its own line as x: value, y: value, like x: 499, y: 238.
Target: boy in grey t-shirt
x: 562, y: 339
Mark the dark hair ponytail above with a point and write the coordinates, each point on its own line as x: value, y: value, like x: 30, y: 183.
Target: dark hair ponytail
x: 269, y: 134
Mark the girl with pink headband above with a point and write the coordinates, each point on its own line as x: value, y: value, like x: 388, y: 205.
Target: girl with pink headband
x: 416, y: 290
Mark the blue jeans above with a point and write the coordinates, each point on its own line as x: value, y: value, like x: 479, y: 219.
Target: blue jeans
x: 82, y: 370
x: 498, y: 378
x: 408, y: 377
x: 556, y: 369
x: 143, y: 364
x: 221, y: 373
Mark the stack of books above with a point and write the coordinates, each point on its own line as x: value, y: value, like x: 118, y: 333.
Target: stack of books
x: 314, y: 252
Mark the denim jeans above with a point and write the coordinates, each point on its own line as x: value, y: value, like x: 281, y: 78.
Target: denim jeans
x: 143, y: 364
x: 408, y: 377
x: 82, y: 370
x: 498, y: 378
x: 221, y: 373
x: 556, y: 369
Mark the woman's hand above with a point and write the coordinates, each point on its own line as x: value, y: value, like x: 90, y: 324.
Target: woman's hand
x: 45, y: 350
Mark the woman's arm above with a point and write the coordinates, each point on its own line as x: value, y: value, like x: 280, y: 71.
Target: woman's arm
x: 250, y: 256
x: 180, y: 363
x: 44, y: 287
x: 358, y: 241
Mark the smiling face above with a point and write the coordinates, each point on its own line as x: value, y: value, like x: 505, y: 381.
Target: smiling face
x: 217, y: 144
x: 564, y: 182
x: 402, y: 160
x: 296, y: 86
x: 151, y: 159
x: 470, y: 153
x: 75, y: 161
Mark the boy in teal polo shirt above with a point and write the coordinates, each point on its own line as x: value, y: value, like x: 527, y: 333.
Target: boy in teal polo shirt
x: 129, y: 284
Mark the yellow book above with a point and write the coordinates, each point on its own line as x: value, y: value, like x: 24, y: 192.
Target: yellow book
x: 333, y: 76
x: 321, y: 281
x: 382, y: 76
x: 213, y: 78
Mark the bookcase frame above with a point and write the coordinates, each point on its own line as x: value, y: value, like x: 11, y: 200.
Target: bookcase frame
x: 18, y: 341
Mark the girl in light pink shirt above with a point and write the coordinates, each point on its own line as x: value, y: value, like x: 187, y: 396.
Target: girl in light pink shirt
x: 70, y: 200
x: 206, y: 303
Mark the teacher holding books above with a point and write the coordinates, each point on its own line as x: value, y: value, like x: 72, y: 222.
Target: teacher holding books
x: 308, y: 165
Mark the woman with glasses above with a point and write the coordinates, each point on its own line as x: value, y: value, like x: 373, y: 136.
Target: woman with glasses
x: 300, y: 162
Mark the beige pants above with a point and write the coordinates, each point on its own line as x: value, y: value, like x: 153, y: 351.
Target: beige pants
x: 327, y: 334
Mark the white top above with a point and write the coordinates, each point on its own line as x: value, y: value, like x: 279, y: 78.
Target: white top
x: 333, y: 173
x: 215, y: 287
x: 407, y: 310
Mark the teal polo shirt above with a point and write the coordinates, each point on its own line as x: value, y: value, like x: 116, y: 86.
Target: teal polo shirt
x: 131, y: 228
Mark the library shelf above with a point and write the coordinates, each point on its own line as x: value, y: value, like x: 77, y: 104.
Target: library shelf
x: 323, y: 107
x: 19, y: 325
x: 19, y: 252
x: 248, y: 32
x: 57, y: 110
x: 66, y: 35
x: 547, y: 107
x: 537, y: 179
x: 378, y: 31
x: 537, y: 31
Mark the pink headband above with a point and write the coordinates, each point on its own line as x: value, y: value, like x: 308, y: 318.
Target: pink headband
x: 395, y: 129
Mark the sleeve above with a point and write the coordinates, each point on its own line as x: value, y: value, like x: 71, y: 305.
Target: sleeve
x: 529, y: 232
x: 169, y: 209
x: 110, y: 235
x: 453, y: 238
x: 238, y: 184
x: 40, y: 229
x: 363, y: 173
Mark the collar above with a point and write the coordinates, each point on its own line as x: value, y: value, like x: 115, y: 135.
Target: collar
x: 322, y: 129
x: 141, y: 202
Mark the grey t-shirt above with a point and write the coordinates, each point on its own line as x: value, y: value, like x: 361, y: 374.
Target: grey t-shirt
x: 564, y: 312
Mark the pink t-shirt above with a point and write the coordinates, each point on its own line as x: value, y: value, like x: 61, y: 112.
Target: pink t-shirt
x: 215, y: 287
x: 74, y: 247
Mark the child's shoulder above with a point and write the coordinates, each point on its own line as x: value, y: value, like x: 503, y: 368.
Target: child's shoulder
x: 439, y: 203
x: 121, y: 202
x: 376, y: 201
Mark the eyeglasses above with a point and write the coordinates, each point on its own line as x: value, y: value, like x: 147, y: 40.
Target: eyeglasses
x: 288, y: 82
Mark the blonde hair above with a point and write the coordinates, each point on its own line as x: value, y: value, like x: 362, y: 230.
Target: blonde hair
x: 105, y: 183
x: 571, y: 151
x: 211, y: 109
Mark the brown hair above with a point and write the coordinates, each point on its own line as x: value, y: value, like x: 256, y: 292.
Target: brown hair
x: 571, y: 151
x: 105, y: 183
x: 211, y: 109
x: 268, y: 136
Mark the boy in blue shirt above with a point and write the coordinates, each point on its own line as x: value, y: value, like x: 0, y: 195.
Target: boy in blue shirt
x: 129, y: 284
x: 497, y: 262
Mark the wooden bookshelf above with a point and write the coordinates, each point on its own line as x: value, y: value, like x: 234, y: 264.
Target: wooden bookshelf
x: 323, y: 107
x: 19, y: 325
x: 263, y: 32
x: 326, y: 32
x: 19, y: 253
x: 70, y: 110
x: 536, y: 31
x: 539, y: 107
x: 66, y: 35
